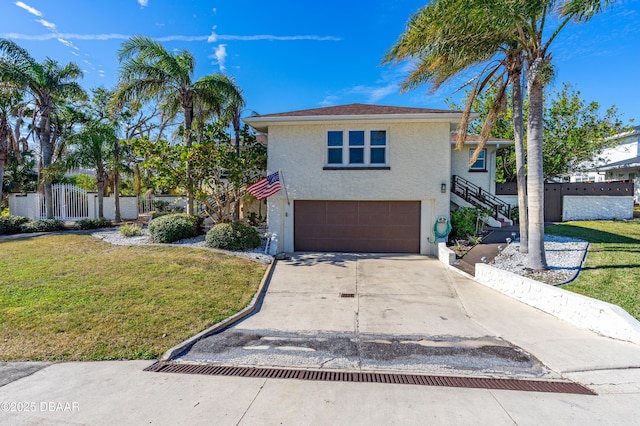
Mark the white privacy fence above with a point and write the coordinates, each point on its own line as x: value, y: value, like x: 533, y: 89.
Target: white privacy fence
x: 69, y: 203
x: 72, y: 203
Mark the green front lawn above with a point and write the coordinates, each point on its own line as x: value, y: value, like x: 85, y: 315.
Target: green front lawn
x: 73, y: 297
x: 612, y: 270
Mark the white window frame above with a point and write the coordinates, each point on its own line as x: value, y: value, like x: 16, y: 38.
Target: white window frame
x: 367, y: 148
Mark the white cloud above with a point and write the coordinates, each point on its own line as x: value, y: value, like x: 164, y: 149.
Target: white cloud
x: 49, y: 25
x: 374, y: 94
x: 220, y: 55
x: 329, y: 101
x: 143, y: 3
x: 210, y: 38
x: 29, y: 8
x: 214, y: 10
x: 65, y: 42
x: 213, y: 37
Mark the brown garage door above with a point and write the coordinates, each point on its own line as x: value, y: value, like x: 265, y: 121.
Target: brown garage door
x: 357, y: 226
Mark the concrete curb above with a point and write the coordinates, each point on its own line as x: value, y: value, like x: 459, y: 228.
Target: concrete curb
x: 600, y: 317
x: 227, y: 322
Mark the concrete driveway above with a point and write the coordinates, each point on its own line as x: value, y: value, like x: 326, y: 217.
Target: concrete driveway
x: 419, y: 298
x: 365, y: 312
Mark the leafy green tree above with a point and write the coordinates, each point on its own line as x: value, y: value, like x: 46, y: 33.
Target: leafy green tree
x: 575, y: 132
x: 220, y: 175
x: 150, y: 72
x: 19, y: 174
x: 50, y: 85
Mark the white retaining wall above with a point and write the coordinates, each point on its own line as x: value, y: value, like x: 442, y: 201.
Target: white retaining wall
x: 596, y: 208
x: 595, y: 315
x: 445, y: 254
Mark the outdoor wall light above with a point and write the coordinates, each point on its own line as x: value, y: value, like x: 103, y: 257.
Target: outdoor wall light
x: 443, y: 187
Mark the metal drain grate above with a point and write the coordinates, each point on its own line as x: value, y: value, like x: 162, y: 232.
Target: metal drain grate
x: 359, y: 377
x: 347, y: 295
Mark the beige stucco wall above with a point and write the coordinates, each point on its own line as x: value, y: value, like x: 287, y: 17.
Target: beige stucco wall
x: 418, y: 159
x: 460, y: 167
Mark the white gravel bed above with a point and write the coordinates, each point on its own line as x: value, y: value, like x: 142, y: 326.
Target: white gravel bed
x: 564, y: 257
x: 115, y: 237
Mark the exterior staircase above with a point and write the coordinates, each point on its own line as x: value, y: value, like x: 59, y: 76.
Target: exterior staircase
x: 482, y: 199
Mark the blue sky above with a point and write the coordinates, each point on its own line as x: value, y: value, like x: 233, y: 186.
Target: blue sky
x: 289, y: 55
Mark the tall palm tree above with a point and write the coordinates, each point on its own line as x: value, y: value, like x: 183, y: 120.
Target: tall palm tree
x: 150, y: 72
x: 49, y: 85
x: 444, y: 46
x: 458, y: 34
x: 93, y: 147
x: 529, y: 19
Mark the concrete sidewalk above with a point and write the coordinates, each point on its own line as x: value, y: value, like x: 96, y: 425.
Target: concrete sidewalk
x: 108, y: 393
x: 121, y: 393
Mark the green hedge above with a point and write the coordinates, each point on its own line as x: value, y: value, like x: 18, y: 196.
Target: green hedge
x: 174, y: 227
x: 92, y: 223
x: 232, y: 236
x: 11, y: 224
x: 45, y: 225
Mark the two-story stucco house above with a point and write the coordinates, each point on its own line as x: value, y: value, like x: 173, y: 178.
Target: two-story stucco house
x: 621, y: 161
x: 366, y: 178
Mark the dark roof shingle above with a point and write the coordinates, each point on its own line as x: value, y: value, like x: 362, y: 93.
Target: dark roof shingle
x: 357, y: 109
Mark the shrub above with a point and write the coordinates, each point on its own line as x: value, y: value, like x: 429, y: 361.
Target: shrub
x: 232, y: 236
x: 11, y: 224
x: 45, y: 225
x: 174, y: 227
x: 463, y: 222
x: 92, y: 223
x: 130, y: 230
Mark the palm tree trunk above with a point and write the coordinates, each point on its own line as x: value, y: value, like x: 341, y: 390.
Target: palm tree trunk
x: 44, y: 134
x: 116, y: 196
x: 518, y: 131
x: 536, y: 259
x: 236, y: 130
x: 116, y: 181
x: 100, y: 178
x: 188, y: 118
x: 3, y: 159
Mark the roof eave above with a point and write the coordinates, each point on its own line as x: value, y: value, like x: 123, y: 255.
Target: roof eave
x: 262, y: 123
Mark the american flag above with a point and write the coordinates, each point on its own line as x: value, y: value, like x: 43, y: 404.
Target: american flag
x: 266, y: 187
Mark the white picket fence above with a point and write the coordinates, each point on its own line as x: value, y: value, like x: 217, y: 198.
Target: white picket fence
x: 69, y: 203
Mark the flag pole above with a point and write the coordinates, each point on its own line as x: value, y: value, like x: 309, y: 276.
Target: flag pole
x: 284, y: 185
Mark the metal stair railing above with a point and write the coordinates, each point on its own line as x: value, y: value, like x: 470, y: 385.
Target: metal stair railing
x: 475, y: 195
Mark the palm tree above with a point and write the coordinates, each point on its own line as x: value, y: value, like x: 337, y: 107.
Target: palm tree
x: 49, y: 84
x: 446, y: 46
x: 150, y: 72
x: 9, y: 96
x: 94, y: 147
x: 458, y: 34
x: 529, y: 19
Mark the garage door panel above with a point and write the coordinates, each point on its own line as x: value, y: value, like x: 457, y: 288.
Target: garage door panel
x: 357, y: 226
x: 340, y: 219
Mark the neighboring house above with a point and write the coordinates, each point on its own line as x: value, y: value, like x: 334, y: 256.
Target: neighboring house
x: 367, y: 178
x: 620, y: 162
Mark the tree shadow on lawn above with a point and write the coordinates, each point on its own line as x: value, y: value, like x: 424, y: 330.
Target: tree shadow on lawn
x: 593, y: 268
x: 590, y: 235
